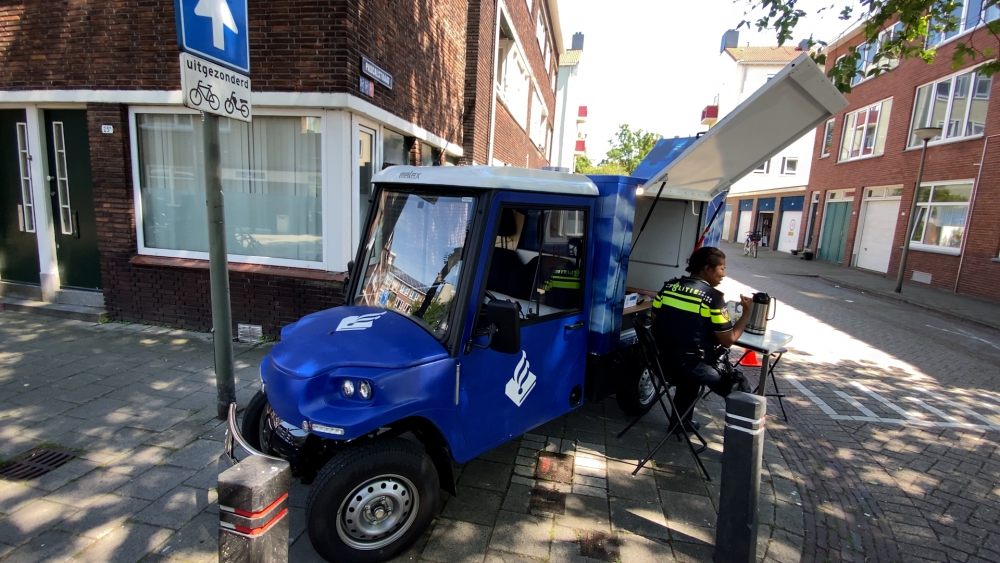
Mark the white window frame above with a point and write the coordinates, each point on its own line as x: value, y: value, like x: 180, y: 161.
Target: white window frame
x: 539, y: 122
x: 784, y: 165
x: 764, y: 168
x: 850, y: 126
x: 516, y: 43
x: 943, y: 138
x: 325, y: 202
x: 962, y: 28
x: 927, y: 205
x: 26, y: 217
x: 541, y: 33
x: 867, y: 63
x: 828, y: 132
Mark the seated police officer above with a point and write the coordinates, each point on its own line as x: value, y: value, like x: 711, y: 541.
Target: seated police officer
x: 692, y: 329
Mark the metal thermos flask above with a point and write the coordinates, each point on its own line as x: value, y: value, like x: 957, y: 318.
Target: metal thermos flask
x: 759, y: 313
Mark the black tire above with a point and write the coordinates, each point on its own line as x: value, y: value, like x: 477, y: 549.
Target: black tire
x: 753, y: 249
x: 392, y: 473
x: 250, y: 427
x: 746, y: 248
x: 637, y: 393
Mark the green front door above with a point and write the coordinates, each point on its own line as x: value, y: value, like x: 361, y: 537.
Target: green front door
x: 835, y: 231
x: 18, y: 243
x: 72, y: 191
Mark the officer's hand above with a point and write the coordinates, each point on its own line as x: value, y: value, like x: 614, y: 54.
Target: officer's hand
x: 746, y: 303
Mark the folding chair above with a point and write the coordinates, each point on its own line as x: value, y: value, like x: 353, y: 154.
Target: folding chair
x: 651, y: 354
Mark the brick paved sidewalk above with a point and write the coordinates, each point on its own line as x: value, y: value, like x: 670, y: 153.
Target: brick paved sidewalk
x: 138, y: 405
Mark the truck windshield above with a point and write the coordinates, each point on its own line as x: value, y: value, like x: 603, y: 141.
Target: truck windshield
x: 413, y: 256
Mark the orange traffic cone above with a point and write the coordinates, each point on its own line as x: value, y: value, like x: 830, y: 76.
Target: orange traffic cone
x: 750, y: 360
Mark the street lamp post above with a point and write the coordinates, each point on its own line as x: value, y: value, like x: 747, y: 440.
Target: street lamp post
x: 925, y: 134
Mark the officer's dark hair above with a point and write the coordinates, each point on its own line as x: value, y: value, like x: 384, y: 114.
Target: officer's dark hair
x: 703, y: 257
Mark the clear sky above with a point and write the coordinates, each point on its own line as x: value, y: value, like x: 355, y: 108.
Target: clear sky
x: 649, y: 63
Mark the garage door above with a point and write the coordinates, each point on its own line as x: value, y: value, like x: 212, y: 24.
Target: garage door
x: 745, y: 226
x: 876, y: 235
x: 788, y: 236
x: 727, y: 224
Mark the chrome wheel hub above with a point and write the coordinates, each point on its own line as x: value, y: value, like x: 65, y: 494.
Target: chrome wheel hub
x: 646, y: 388
x: 378, y: 512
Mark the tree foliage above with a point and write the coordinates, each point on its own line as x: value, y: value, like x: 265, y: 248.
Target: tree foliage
x: 920, y: 19
x: 584, y: 166
x: 628, y: 148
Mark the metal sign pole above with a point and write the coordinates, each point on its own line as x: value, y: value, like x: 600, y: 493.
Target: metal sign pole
x: 222, y: 313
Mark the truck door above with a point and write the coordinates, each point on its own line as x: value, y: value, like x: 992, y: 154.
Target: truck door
x: 537, y: 254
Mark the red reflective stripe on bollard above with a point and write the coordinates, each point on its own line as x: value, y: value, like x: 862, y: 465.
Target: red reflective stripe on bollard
x: 248, y: 514
x: 255, y: 531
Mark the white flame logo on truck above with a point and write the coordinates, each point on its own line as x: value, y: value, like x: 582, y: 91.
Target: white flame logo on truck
x: 358, y: 322
x: 523, y: 381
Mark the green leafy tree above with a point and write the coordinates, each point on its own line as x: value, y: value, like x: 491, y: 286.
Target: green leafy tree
x: 628, y: 148
x: 584, y: 166
x: 919, y: 19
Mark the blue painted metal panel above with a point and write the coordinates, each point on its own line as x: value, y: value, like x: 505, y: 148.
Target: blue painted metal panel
x: 746, y: 205
x: 793, y: 203
x: 663, y: 153
x: 765, y: 204
x: 615, y: 217
x: 714, y: 235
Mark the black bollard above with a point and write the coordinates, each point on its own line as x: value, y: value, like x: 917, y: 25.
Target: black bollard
x: 743, y: 449
x: 253, y: 511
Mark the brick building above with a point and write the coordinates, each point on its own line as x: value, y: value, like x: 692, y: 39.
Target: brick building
x: 101, y: 190
x: 863, y: 177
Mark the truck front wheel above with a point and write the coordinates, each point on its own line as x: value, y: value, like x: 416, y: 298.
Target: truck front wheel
x: 250, y: 428
x: 637, y: 393
x: 371, y: 502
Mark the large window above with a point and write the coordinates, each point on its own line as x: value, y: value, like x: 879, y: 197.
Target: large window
x: 512, y: 75
x: 865, y: 131
x: 539, y: 122
x: 941, y: 212
x: 968, y: 15
x: 956, y: 104
x: 271, y: 180
x: 828, y: 138
x: 866, y: 63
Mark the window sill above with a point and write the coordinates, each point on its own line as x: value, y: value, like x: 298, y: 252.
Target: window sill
x: 857, y: 158
x: 259, y: 269
x: 945, y: 142
x: 936, y: 249
x: 994, y: 259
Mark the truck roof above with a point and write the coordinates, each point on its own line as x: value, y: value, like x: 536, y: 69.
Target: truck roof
x: 490, y: 178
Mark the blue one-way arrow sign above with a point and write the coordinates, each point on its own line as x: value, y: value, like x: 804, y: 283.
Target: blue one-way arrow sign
x: 215, y: 30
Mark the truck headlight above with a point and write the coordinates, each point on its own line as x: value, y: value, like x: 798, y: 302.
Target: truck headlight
x: 365, y: 390
x: 347, y: 388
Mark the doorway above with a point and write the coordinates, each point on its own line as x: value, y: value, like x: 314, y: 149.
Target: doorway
x: 72, y: 191
x: 835, y: 231
x: 764, y: 221
x: 18, y: 241
x: 367, y: 158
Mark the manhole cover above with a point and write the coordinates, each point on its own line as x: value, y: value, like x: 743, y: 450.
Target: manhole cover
x: 554, y: 467
x: 35, y: 464
x: 545, y: 500
x: 599, y: 545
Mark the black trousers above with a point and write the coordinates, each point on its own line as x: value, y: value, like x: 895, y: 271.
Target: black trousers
x: 689, y: 372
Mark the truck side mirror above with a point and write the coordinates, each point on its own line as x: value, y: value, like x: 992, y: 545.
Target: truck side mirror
x: 506, y: 326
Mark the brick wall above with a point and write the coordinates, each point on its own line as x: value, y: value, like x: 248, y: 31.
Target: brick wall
x: 295, y: 45
x: 954, y: 161
x: 176, y: 296
x: 479, y: 70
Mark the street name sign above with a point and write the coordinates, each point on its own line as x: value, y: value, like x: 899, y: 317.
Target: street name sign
x: 214, y: 89
x: 376, y: 72
x: 216, y: 30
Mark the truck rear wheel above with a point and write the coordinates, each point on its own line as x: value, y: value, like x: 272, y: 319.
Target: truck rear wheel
x: 637, y: 393
x: 250, y: 428
x: 371, y: 502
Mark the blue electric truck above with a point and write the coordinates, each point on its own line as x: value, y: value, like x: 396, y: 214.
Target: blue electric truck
x: 483, y: 302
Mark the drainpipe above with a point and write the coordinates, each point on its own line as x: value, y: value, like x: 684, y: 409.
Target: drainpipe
x: 972, y: 206
x: 493, y: 85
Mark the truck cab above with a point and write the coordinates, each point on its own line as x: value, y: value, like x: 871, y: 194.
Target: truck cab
x: 483, y: 302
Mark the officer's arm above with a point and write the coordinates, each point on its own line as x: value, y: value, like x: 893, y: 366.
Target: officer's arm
x: 728, y: 338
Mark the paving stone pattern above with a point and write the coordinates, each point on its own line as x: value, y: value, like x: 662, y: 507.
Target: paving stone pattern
x: 138, y: 402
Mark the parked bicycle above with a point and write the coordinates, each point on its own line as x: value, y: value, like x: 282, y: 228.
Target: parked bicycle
x: 233, y: 104
x: 751, y: 243
x: 203, y: 92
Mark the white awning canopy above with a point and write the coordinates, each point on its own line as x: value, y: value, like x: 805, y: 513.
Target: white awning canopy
x: 796, y: 100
